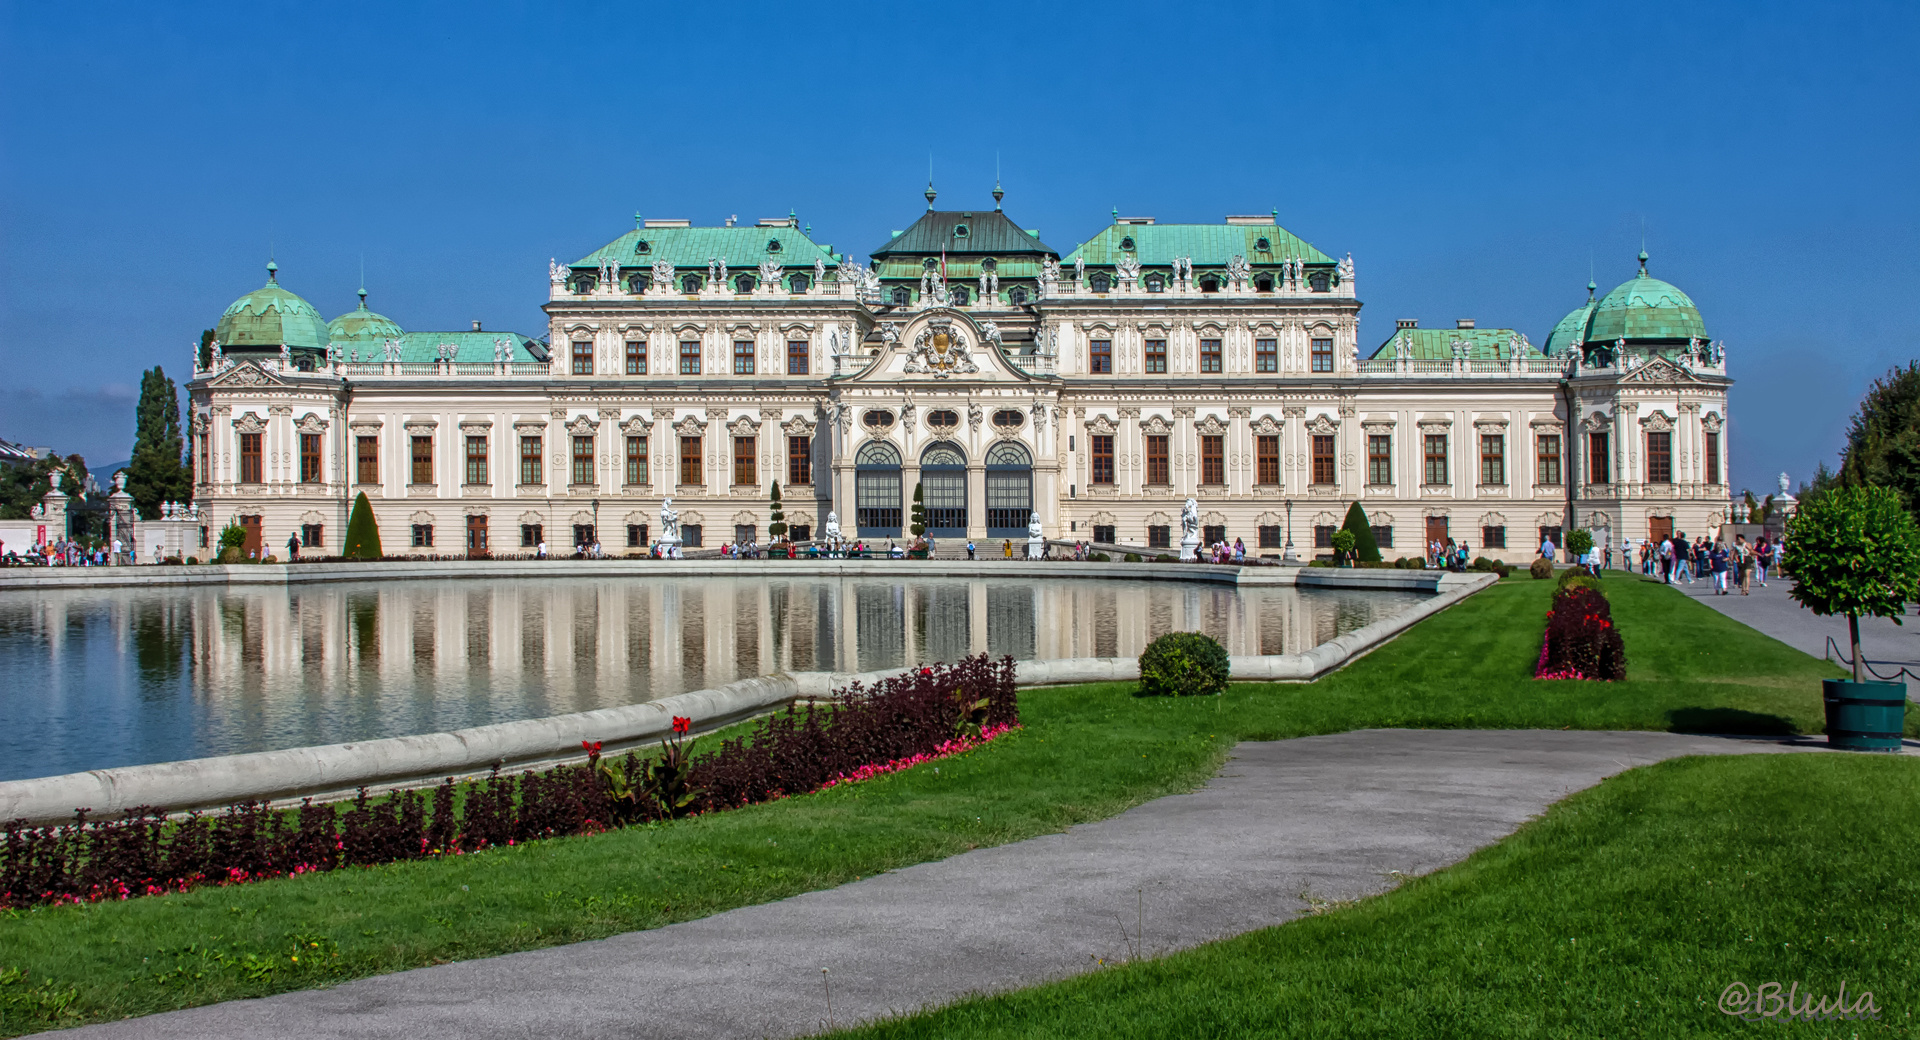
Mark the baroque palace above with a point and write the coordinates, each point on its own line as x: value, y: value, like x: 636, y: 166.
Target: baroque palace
x: 1099, y: 388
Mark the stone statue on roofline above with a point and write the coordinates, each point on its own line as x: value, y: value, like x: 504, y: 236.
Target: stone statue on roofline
x: 556, y: 273
x: 1129, y: 270
x: 1079, y: 271
x: 770, y: 274
x: 1346, y: 270
x: 819, y: 273
x: 1238, y: 270
x: 662, y: 277
x: 990, y: 332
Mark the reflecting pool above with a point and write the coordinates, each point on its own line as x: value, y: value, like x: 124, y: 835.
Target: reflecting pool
x: 96, y: 679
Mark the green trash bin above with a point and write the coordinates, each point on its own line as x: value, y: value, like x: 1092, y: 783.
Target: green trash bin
x: 1865, y: 716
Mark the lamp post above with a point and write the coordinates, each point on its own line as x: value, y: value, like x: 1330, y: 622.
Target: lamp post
x: 1287, y: 554
x: 596, y: 526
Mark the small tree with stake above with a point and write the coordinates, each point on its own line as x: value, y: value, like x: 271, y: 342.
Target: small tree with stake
x: 776, y: 517
x: 1854, y: 551
x: 919, y: 519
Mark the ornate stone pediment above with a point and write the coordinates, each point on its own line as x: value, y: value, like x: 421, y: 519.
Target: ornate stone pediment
x: 1322, y: 424
x: 1378, y: 427
x: 581, y: 426
x: 1490, y: 425
x: 1596, y: 422
x: 744, y: 426
x: 798, y: 426
x: 420, y: 427
x: 1211, y: 425
x: 529, y: 429
x: 1155, y: 425
x: 1266, y: 425
x: 1659, y: 370
x: 1547, y: 426
x: 1436, y: 424
x: 311, y: 423
x: 1100, y: 424
x: 691, y: 426
x: 1656, y: 421
x: 245, y: 373
x: 1711, y: 422
x: 249, y: 422
x: 364, y: 427
x: 637, y: 426
x: 476, y: 429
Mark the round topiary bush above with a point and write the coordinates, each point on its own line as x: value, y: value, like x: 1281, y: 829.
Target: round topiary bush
x: 1132, y: 557
x: 1541, y: 567
x: 1183, y: 664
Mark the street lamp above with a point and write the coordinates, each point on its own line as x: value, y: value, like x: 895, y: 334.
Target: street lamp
x: 1287, y: 554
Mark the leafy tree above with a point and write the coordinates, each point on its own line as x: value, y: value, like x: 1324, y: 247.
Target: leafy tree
x: 777, y: 518
x: 1824, y: 480
x: 1363, y: 540
x: 1854, y: 551
x: 158, y: 472
x: 1580, y: 542
x: 363, y: 535
x: 22, y: 487
x: 1343, y: 541
x: 1883, y: 442
x: 73, y: 482
x: 919, y: 519
x: 206, y: 348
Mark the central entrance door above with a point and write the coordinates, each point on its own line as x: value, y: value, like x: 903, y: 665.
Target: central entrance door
x: 253, y: 527
x: 476, y: 536
x: 1659, y: 528
x: 1436, y: 530
x: 876, y: 490
x: 943, y: 486
x: 1009, y: 490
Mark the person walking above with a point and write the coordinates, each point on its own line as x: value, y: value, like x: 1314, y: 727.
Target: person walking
x: 1547, y: 547
x: 1743, y: 563
x: 969, y: 548
x: 1761, y: 557
x: 1717, y: 557
x: 293, y: 547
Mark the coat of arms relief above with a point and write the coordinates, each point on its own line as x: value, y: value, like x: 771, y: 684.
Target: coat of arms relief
x: 941, y: 350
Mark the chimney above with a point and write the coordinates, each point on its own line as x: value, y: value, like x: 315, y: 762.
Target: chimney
x: 476, y: 326
x: 1406, y: 323
x: 1463, y: 323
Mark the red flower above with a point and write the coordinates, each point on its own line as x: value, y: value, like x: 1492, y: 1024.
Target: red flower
x: 681, y: 724
x: 926, y: 671
x: 592, y: 746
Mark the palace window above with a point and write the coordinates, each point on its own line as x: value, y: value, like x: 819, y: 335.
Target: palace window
x: 1493, y: 459
x: 636, y: 536
x: 313, y: 536
x: 638, y: 284
x: 1323, y: 467
x: 1323, y: 536
x: 1320, y: 281
x: 1157, y: 459
x: 690, y: 461
x: 1270, y: 536
x: 742, y: 358
x: 1101, y: 283
x: 1209, y: 355
x: 636, y: 358
x: 880, y: 418
x: 250, y: 458
x: 1380, y: 459
x: 799, y: 283
x: 423, y: 536
x: 1266, y: 355
x: 902, y: 296
x: 636, y: 459
x: 1659, y: 458
x: 743, y: 461
x: 1209, y: 283
x: 367, y: 460
x: 583, y: 458
x: 1493, y: 537
x: 423, y: 460
x: 532, y: 535
x: 1017, y: 295
x: 690, y: 536
x: 1156, y: 355
x: 960, y: 296
x: 1213, y: 460
x: 1159, y: 536
x: 797, y: 357
x: 1323, y: 355
x: 1547, y: 448
x: 1266, y: 459
x: 530, y: 461
x: 1383, y: 535
x: 309, y: 458
x: 799, y: 460
x: 582, y: 358
x: 690, y: 357
x: 1213, y: 534
x: 1100, y: 356
x: 477, y: 460
x: 1713, y: 458
x: 1103, y: 533
x: 1155, y: 283
x: 1436, y: 457
x: 690, y: 284
x: 1102, y: 458
x: 1263, y: 283
x: 743, y: 284
x: 800, y: 532
x: 1599, y: 459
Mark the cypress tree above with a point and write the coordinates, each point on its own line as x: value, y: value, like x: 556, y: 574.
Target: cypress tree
x: 919, y: 524
x: 363, y: 535
x: 1364, y: 545
x: 777, y: 519
x: 158, y: 472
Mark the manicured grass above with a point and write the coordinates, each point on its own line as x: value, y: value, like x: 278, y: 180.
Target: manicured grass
x: 1624, y: 912
x: 1087, y: 752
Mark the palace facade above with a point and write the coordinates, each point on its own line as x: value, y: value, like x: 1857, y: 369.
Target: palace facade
x: 966, y: 357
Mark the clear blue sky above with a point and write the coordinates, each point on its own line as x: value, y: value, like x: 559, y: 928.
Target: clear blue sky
x: 1472, y: 160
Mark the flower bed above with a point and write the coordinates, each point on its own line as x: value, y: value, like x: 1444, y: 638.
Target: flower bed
x: 1581, y: 641
x: 897, y: 723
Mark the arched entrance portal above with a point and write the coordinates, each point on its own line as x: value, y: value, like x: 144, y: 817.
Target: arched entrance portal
x: 876, y: 490
x: 1009, y: 489
x: 943, y: 487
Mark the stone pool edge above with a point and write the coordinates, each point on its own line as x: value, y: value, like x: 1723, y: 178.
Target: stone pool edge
x: 335, y: 771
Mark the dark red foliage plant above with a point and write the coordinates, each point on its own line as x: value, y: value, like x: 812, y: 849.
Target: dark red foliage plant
x: 866, y: 730
x: 1581, y: 641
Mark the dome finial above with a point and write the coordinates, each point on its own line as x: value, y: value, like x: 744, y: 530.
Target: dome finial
x: 363, y: 297
x: 272, y: 269
x: 1643, y: 263
x: 931, y: 194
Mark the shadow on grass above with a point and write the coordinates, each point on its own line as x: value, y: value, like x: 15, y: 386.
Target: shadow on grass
x: 1727, y: 720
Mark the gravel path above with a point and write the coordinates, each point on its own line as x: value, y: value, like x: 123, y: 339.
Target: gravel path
x: 1321, y: 818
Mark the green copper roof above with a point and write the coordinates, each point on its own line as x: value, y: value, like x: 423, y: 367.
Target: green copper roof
x: 468, y: 347
x: 1645, y: 308
x: 742, y: 247
x: 1437, y: 344
x: 1571, y: 331
x: 980, y: 232
x: 271, y: 316
x: 363, y: 326
x: 1207, y: 245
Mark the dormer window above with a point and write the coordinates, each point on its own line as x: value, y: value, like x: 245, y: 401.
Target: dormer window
x: 960, y: 296
x: 690, y: 284
x: 989, y: 265
x: 928, y: 263
x: 1209, y: 283
x: 800, y: 282
x: 1017, y: 294
x: 643, y: 246
x: 773, y: 245
x: 1127, y: 243
x: 959, y: 231
x: 1262, y: 245
x: 743, y: 284
x: 1155, y: 283
x: 1320, y: 281
x: 902, y: 296
x: 1101, y: 283
x: 1263, y: 283
x: 583, y: 284
x: 638, y: 283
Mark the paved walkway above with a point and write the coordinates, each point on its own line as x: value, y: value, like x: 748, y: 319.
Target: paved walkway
x: 1320, y: 818
x: 1887, y: 646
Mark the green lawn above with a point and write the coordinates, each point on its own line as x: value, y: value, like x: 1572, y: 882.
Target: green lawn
x: 1624, y: 912
x: 1087, y: 752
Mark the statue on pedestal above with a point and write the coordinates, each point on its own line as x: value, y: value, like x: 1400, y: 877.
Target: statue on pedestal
x: 669, y: 529
x: 1036, y: 542
x: 1190, y: 530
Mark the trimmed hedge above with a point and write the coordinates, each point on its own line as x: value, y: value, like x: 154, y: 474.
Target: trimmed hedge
x: 1183, y: 664
x: 1581, y: 641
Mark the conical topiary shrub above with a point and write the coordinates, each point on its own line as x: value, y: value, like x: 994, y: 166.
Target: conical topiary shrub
x: 919, y: 522
x: 777, y: 517
x: 1363, y: 541
x: 363, y: 535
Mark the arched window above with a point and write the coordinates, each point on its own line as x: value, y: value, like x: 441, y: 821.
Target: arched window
x: 643, y: 246
x: 583, y: 284
x: 690, y: 284
x: 638, y: 283
x: 773, y: 245
x: 960, y: 296
x: 743, y: 284
x: 1319, y: 281
x: 1155, y: 283
x: 943, y: 488
x: 876, y: 490
x: 902, y: 296
x: 877, y: 453
x: 1209, y: 283
x: 800, y: 282
x: 1017, y: 294
x: 1101, y: 283
x: 1009, y: 489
